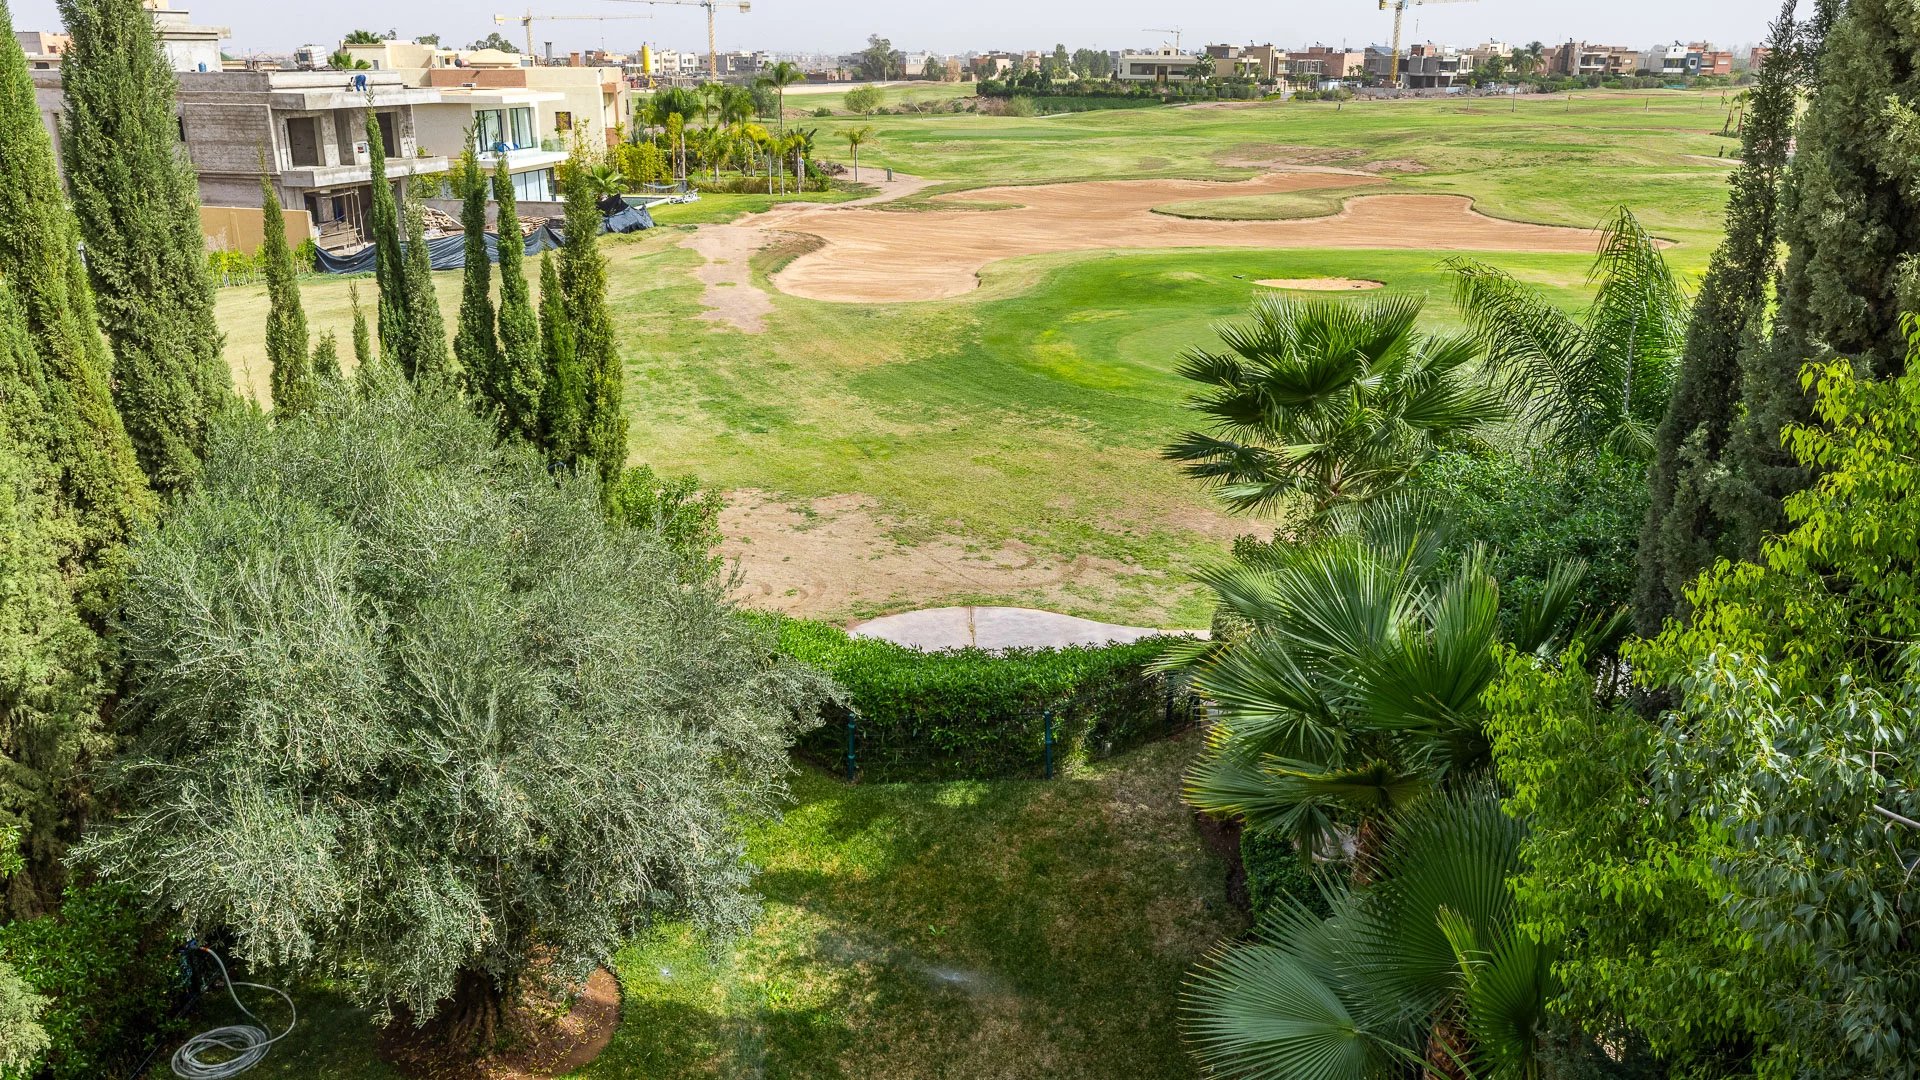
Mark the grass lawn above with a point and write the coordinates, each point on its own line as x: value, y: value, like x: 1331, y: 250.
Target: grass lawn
x: 1007, y: 930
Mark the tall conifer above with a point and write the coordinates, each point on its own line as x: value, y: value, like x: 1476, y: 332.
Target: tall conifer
x: 563, y: 385
x: 425, y: 354
x: 137, y: 199
x: 389, y: 268
x: 291, y: 378
x: 583, y: 281
x: 474, y: 345
x: 100, y: 482
x: 517, y: 380
x: 362, y: 339
x: 1685, y: 529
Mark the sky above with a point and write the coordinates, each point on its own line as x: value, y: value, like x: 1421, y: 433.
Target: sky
x: 949, y: 26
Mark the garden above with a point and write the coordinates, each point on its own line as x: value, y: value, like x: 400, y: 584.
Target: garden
x: 393, y: 644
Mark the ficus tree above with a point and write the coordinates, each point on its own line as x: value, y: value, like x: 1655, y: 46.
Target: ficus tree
x: 405, y: 707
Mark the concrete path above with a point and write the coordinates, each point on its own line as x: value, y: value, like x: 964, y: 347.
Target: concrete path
x: 996, y: 628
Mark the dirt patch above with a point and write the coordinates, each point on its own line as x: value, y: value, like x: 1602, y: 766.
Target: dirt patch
x: 548, y: 1037
x: 1321, y: 284
x: 870, y: 256
x: 1397, y: 165
x: 731, y: 296
x: 832, y: 557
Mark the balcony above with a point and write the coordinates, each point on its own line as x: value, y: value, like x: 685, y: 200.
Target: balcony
x: 333, y: 176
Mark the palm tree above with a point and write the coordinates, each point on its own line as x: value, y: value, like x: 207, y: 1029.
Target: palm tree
x: 1358, y: 690
x: 344, y: 61
x: 856, y: 138
x: 604, y: 179
x: 734, y: 105
x: 1329, y: 401
x: 1601, y: 381
x: 779, y: 77
x: 1422, y: 972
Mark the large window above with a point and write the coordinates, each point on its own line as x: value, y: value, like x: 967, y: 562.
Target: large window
x: 536, y: 186
x: 511, y: 128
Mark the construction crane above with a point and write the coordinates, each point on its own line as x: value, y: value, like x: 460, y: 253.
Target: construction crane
x: 713, y: 46
x: 1399, y: 16
x: 1176, y: 31
x: 530, y: 18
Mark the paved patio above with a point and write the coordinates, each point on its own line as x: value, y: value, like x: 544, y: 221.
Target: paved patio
x: 996, y: 628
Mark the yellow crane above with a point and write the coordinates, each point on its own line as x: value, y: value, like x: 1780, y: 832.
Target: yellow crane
x: 530, y: 18
x: 713, y: 46
x: 1399, y: 16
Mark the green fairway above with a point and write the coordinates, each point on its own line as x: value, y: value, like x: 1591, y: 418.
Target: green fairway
x: 1020, y: 423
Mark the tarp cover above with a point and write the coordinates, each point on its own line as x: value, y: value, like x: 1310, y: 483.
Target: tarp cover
x: 450, y: 252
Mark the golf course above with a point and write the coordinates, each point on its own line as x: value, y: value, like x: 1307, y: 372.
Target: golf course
x: 953, y: 387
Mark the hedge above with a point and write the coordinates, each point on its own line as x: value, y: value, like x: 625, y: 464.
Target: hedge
x: 971, y: 714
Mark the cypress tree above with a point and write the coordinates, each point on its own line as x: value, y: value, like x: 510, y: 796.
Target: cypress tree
x: 137, y: 199
x: 389, y: 268
x: 474, y: 345
x: 100, y: 482
x: 1850, y: 217
x: 1684, y: 531
x: 563, y: 390
x: 515, y: 387
x: 326, y: 358
x: 287, y: 341
x: 583, y: 281
x: 425, y: 353
x: 362, y: 340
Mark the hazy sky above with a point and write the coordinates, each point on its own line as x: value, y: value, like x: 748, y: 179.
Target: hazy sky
x: 959, y: 25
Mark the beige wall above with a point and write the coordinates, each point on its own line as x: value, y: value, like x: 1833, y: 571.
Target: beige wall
x: 241, y: 228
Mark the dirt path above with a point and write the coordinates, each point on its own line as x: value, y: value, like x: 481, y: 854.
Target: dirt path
x: 731, y: 297
x: 874, y: 256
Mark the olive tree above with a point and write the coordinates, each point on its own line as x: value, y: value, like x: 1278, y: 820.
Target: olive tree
x: 405, y: 708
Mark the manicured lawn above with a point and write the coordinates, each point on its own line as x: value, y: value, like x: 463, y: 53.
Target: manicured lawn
x: 1006, y: 930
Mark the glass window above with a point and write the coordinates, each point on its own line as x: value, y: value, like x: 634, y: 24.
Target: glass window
x: 523, y: 136
x: 536, y: 186
x: 487, y: 130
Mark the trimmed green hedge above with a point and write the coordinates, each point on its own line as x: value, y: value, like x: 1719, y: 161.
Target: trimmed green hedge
x: 970, y: 714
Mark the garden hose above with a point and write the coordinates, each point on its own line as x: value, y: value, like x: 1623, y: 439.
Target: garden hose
x: 239, y: 1046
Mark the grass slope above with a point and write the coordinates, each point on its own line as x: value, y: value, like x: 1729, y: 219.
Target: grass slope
x: 914, y: 932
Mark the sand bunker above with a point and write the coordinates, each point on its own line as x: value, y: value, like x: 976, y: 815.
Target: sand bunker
x: 879, y: 256
x: 1321, y: 284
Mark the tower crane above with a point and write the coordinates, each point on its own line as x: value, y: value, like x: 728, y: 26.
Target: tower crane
x: 1399, y: 16
x: 1175, y: 31
x: 530, y: 18
x: 713, y: 47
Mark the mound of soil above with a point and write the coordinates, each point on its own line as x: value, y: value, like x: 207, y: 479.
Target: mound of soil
x: 1321, y: 284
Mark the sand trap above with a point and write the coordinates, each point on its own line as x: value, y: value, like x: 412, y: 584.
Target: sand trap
x: 1321, y: 284
x: 879, y: 256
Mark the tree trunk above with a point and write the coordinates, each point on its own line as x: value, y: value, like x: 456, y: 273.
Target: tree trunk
x: 470, y: 1022
x: 1447, y: 1049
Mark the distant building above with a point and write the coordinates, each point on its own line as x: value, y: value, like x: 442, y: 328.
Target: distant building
x: 1324, y: 66
x: 1757, y: 59
x: 189, y: 47
x: 1260, y: 63
x: 1433, y: 67
x: 1160, y: 67
x: 993, y: 65
x: 1377, y: 63
x: 44, y: 51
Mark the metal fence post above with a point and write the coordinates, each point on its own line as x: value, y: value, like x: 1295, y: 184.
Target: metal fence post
x: 1049, y: 737
x: 853, y: 756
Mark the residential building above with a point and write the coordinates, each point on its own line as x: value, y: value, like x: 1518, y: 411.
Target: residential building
x: 1577, y: 58
x: 1261, y: 63
x: 1325, y: 66
x: 44, y: 51
x: 1714, y: 61
x: 1757, y: 59
x: 1159, y: 66
x: 595, y: 97
x: 993, y: 65
x: 1377, y: 63
x: 188, y: 47
x: 1433, y: 67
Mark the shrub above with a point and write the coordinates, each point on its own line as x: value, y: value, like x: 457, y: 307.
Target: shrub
x: 106, y: 973
x: 823, y: 112
x: 1021, y: 106
x: 974, y: 714
x: 685, y: 518
x: 1533, y: 509
x: 1276, y: 873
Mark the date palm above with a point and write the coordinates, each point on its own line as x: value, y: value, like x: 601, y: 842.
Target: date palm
x: 1601, y: 381
x: 857, y: 138
x: 780, y: 76
x: 1331, y: 401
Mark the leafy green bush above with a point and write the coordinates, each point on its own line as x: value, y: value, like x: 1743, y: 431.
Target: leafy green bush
x: 684, y: 516
x: 973, y: 714
x: 1275, y: 873
x: 1533, y: 509
x: 105, y: 972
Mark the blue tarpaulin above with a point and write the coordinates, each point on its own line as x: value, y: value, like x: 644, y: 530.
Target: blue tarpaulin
x: 450, y: 252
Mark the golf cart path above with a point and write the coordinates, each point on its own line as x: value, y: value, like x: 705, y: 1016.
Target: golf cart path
x: 996, y: 628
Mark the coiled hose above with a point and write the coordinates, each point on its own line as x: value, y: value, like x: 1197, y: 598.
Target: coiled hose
x: 239, y: 1046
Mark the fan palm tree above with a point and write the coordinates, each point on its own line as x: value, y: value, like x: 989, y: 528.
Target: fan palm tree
x: 1423, y: 969
x: 1332, y: 401
x: 345, y: 61
x: 856, y: 138
x: 1598, y: 382
x: 779, y: 77
x: 1358, y: 690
